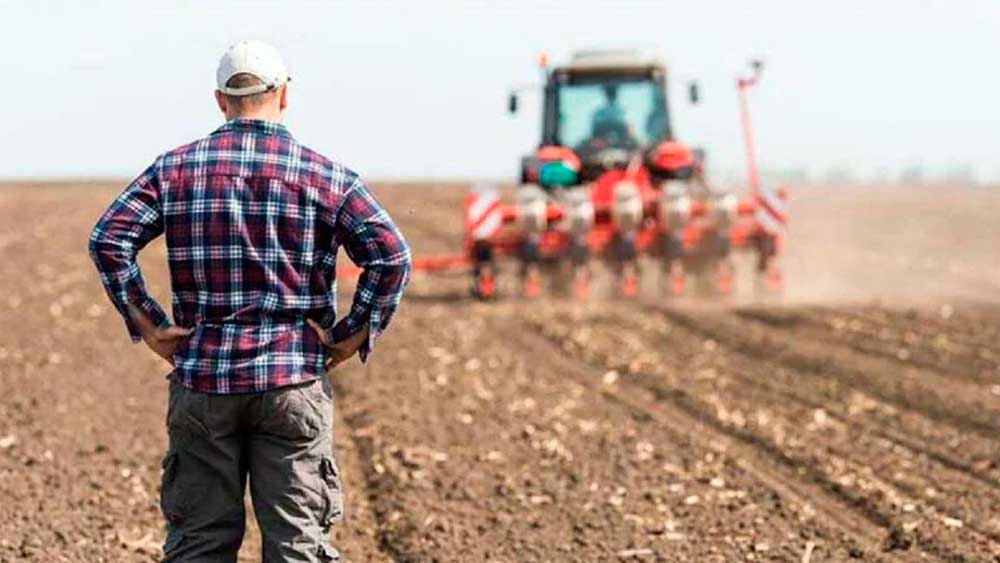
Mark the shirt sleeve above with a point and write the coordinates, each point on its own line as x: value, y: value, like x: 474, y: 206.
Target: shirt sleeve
x: 132, y: 220
x: 374, y: 243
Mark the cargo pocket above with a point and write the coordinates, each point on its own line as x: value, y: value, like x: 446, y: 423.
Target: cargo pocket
x: 185, y: 415
x: 333, y: 509
x: 170, y: 503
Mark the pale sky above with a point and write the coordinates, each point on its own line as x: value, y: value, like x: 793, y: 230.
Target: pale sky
x: 418, y: 89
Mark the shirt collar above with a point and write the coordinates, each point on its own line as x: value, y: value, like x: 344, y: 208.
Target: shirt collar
x: 242, y: 125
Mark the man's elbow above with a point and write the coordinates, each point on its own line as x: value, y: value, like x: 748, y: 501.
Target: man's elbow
x: 397, y: 271
x: 406, y: 265
x: 94, y: 245
x: 102, y: 247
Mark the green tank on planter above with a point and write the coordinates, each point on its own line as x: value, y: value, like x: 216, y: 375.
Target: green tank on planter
x: 557, y: 174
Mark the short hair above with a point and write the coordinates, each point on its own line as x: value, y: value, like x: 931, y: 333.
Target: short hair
x: 242, y: 80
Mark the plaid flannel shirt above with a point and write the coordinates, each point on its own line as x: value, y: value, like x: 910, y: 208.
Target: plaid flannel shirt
x: 253, y: 222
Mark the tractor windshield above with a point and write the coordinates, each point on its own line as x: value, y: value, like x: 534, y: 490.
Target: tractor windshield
x: 610, y: 113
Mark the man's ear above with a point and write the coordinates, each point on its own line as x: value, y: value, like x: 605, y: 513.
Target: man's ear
x: 220, y: 99
x: 283, y: 100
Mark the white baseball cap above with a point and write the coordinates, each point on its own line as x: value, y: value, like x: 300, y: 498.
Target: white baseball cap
x: 257, y: 59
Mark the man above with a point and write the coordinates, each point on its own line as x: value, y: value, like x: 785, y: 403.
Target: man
x: 253, y: 221
x: 610, y: 116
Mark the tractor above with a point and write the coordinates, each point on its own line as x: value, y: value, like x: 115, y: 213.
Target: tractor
x: 609, y: 181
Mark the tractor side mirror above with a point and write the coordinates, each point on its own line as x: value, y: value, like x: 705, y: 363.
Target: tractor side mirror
x: 694, y: 94
x: 512, y: 103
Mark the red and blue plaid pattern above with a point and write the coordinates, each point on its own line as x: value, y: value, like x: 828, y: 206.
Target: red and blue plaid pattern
x: 253, y: 222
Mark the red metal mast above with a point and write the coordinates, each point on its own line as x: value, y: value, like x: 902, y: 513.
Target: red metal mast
x: 744, y: 84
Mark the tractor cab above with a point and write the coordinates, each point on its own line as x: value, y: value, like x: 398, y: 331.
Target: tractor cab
x: 604, y: 106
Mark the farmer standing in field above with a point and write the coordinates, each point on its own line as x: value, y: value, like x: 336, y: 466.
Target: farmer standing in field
x: 253, y: 221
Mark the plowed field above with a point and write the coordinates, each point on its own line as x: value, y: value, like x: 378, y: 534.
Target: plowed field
x: 857, y: 419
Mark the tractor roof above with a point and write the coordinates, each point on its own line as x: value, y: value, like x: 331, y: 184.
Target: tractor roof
x: 611, y: 60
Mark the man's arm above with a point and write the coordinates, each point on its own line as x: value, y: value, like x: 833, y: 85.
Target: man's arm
x: 375, y: 244
x: 162, y: 340
x: 132, y: 220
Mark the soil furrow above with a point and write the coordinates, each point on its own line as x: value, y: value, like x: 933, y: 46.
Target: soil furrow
x: 964, y: 459
x: 765, y: 462
x: 937, y: 351
x: 960, y: 488
x: 967, y: 460
x: 392, y: 540
x: 815, y: 461
x: 974, y: 331
x: 954, y: 403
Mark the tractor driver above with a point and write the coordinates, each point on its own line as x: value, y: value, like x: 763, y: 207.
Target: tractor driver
x: 608, y: 123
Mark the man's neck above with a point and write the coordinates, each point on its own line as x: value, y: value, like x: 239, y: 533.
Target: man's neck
x: 274, y: 117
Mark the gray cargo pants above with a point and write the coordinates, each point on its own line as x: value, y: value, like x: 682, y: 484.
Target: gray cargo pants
x: 282, y: 441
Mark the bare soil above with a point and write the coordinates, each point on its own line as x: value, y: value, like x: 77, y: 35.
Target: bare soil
x: 857, y: 419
